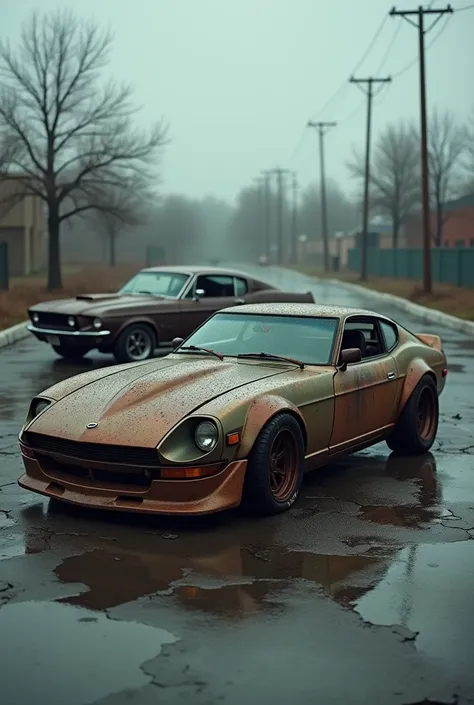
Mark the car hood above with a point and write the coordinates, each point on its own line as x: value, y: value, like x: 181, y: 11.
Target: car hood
x: 95, y: 304
x: 141, y: 404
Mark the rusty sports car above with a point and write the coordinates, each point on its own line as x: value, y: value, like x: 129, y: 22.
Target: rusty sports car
x: 155, y: 306
x: 236, y: 413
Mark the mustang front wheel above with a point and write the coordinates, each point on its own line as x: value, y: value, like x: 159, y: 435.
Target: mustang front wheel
x: 417, y: 426
x: 275, y: 467
x: 137, y: 342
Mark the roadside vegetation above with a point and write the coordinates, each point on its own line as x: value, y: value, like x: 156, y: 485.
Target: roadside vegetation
x: 26, y: 291
x: 450, y: 299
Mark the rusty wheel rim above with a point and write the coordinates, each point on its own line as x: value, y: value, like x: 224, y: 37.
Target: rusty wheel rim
x: 426, y: 417
x: 283, y: 465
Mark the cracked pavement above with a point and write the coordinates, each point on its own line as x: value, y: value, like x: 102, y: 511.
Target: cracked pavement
x: 360, y: 594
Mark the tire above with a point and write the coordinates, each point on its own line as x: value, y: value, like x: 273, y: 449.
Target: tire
x: 261, y: 494
x: 135, y: 343
x: 417, y: 426
x: 69, y: 353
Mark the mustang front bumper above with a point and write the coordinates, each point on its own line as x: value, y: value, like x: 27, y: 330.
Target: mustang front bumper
x: 186, y: 497
x: 81, y: 337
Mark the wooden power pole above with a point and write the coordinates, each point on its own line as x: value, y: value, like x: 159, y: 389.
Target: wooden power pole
x: 365, y: 213
x: 294, y: 221
x: 322, y: 128
x: 420, y: 13
x: 279, y: 174
x: 266, y: 175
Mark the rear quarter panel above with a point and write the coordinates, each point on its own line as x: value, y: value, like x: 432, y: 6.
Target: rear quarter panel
x: 414, y: 360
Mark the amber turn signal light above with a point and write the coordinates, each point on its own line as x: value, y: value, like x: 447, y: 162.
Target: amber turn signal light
x: 232, y: 438
x: 189, y: 473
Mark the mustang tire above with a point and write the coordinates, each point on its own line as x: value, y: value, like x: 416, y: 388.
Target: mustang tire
x: 417, y: 426
x: 137, y: 342
x: 69, y: 353
x: 275, y: 467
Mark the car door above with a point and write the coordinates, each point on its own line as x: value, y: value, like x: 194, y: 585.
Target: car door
x: 365, y: 392
x: 209, y: 293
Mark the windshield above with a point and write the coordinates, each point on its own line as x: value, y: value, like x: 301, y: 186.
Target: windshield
x: 168, y: 284
x: 310, y: 340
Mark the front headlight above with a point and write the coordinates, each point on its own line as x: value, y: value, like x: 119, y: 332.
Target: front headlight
x: 35, y: 318
x: 39, y: 405
x: 97, y: 323
x: 71, y: 321
x: 206, y: 436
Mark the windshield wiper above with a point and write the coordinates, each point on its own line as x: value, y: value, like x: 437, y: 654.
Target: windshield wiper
x: 270, y: 356
x: 196, y: 348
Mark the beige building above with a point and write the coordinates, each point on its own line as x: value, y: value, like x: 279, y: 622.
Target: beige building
x: 22, y: 227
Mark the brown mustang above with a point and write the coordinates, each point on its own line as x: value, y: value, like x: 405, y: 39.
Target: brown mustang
x: 237, y: 413
x: 155, y: 306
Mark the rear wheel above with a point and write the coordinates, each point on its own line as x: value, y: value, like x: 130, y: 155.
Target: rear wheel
x: 417, y: 426
x: 69, y: 352
x: 136, y: 343
x: 275, y: 467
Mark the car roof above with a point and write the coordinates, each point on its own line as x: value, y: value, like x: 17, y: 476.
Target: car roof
x: 303, y: 309
x: 197, y: 270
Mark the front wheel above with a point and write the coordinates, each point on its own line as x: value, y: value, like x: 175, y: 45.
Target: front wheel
x: 275, y: 467
x: 417, y: 425
x: 136, y: 343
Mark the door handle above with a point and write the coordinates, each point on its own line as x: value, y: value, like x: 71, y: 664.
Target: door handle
x: 239, y: 301
x: 391, y: 375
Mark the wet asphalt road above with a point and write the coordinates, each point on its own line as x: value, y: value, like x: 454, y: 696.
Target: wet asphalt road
x: 362, y: 593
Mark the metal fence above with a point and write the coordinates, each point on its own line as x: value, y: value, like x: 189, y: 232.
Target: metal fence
x: 4, y: 274
x: 448, y: 265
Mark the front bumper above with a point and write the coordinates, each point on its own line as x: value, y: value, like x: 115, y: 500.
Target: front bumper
x: 90, y: 337
x: 206, y: 495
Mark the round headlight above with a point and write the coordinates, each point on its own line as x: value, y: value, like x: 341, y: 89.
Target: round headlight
x: 39, y: 406
x: 206, y: 436
x: 71, y: 321
x: 35, y: 318
x: 97, y: 323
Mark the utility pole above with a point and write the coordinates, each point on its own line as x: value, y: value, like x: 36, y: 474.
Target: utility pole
x: 294, y: 221
x: 365, y: 214
x: 420, y: 13
x: 261, y: 212
x: 266, y: 175
x: 279, y: 172
x: 322, y: 128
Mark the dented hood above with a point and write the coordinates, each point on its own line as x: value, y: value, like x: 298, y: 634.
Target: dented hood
x: 140, y: 405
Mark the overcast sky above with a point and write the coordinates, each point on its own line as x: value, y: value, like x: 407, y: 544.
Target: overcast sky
x: 238, y: 79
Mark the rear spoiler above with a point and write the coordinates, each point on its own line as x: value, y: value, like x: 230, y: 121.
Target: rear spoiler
x: 433, y: 341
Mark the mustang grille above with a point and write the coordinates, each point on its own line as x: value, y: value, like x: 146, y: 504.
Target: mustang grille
x: 99, y: 452
x: 52, y: 320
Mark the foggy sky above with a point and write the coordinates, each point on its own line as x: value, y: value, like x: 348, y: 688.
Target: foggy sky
x: 238, y: 79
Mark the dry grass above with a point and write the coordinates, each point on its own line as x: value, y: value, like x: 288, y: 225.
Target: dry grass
x: 447, y: 298
x: 26, y: 291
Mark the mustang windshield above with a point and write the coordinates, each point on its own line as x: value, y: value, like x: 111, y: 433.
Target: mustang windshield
x: 168, y: 284
x: 310, y: 340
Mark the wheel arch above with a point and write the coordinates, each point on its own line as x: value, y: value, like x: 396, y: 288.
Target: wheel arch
x: 138, y: 320
x: 418, y: 369
x: 260, y: 412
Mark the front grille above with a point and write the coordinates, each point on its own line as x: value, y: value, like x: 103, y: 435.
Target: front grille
x: 66, y: 472
x: 100, y: 452
x: 52, y: 320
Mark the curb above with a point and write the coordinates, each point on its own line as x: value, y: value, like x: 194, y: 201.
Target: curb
x: 13, y: 334
x: 427, y: 315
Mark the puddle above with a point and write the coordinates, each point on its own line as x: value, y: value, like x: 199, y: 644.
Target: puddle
x: 429, y: 591
x: 69, y: 655
x: 218, y: 583
x: 408, y: 516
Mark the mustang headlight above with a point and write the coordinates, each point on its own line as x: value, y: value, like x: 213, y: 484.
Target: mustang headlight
x: 206, y: 436
x: 39, y: 405
x: 97, y: 323
x: 71, y: 321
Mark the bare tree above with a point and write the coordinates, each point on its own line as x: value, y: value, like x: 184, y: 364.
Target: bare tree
x: 468, y: 159
x: 447, y: 140
x: 72, y: 132
x: 394, y: 180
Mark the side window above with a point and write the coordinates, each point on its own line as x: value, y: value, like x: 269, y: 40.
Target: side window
x: 390, y: 334
x: 241, y: 287
x: 363, y: 334
x: 215, y: 286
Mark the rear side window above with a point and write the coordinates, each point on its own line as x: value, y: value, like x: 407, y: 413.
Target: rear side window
x: 390, y: 334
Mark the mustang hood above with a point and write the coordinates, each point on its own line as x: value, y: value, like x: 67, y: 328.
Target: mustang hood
x: 93, y: 304
x: 140, y: 407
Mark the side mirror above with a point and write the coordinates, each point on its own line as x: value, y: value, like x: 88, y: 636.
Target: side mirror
x: 198, y: 294
x: 348, y: 356
x: 177, y: 342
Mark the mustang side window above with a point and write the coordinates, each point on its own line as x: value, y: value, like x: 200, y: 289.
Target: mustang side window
x: 216, y: 286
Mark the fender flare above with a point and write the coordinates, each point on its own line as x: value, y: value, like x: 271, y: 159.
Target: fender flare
x: 418, y: 368
x: 259, y: 413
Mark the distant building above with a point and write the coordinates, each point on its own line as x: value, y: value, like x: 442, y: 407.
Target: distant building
x: 458, y: 226
x: 22, y: 227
